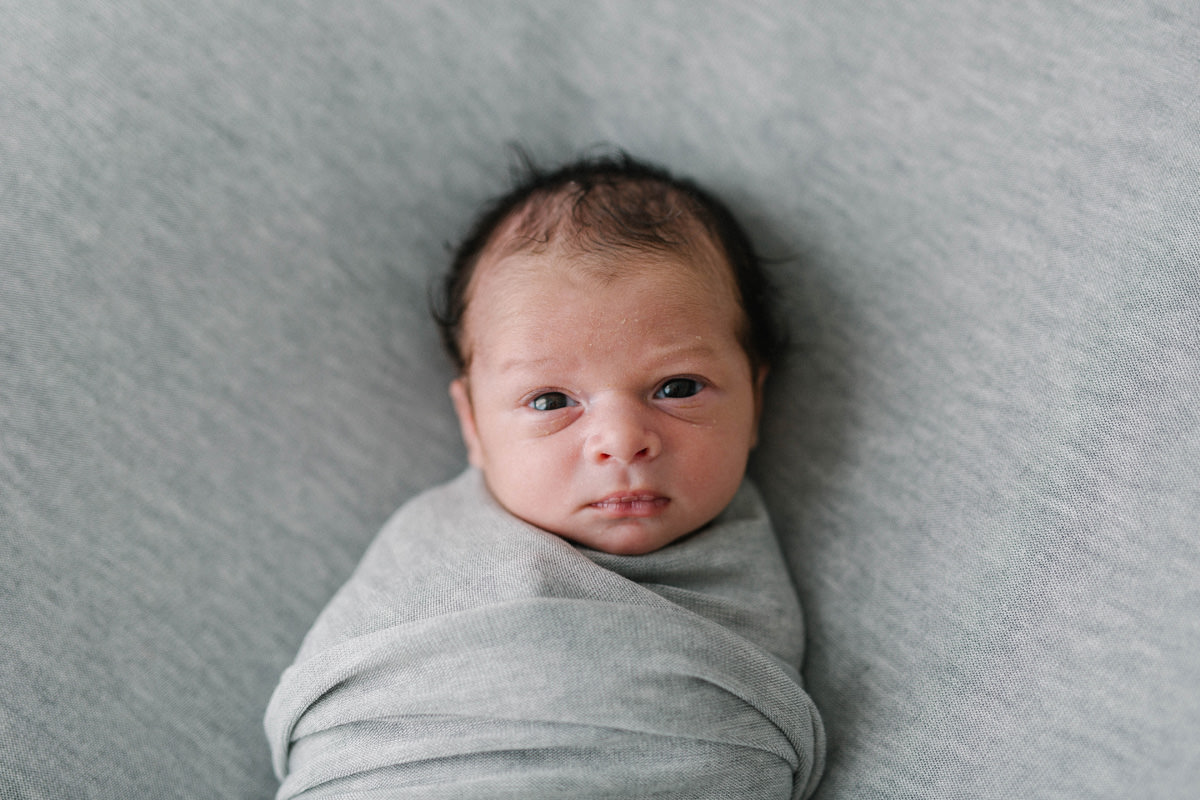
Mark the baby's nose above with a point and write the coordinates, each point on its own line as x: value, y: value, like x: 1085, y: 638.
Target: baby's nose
x: 621, y: 432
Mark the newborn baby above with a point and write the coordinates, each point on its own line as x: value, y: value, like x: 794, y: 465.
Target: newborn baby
x: 597, y: 607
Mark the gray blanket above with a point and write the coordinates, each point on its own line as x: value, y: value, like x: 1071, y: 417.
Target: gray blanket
x: 473, y: 655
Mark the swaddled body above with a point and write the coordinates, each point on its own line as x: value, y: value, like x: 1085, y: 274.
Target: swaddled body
x: 474, y: 655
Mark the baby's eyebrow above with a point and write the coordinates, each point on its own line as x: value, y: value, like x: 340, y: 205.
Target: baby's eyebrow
x: 700, y: 348
x: 516, y: 363
x: 697, y: 348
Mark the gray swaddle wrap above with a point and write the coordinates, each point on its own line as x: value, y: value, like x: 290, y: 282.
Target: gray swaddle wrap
x: 473, y: 655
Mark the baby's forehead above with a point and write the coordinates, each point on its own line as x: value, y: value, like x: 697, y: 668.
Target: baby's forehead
x: 520, y: 292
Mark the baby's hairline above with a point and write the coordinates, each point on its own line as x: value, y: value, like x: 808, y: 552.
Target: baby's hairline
x: 582, y: 246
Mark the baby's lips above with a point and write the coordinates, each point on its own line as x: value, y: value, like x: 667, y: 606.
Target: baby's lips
x: 632, y: 504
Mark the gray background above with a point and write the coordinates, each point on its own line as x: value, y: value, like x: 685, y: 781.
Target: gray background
x: 218, y: 224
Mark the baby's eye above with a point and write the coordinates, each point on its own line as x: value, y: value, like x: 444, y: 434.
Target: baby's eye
x: 550, y: 401
x: 678, y: 388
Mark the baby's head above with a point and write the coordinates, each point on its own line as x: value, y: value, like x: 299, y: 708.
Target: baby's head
x: 611, y: 328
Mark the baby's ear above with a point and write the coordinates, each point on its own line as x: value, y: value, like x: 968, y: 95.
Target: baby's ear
x: 461, y: 396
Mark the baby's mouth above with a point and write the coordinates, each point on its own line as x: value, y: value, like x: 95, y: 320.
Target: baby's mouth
x: 631, y: 504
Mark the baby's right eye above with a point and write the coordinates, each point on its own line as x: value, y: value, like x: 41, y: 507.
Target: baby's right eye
x: 550, y: 401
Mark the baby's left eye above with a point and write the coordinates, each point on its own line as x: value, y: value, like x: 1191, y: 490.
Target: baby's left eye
x: 678, y: 388
x: 550, y: 401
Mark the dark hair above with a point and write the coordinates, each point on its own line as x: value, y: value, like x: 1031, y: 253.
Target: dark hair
x: 613, y: 203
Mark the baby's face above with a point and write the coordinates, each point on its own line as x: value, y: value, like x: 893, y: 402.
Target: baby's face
x: 620, y: 414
